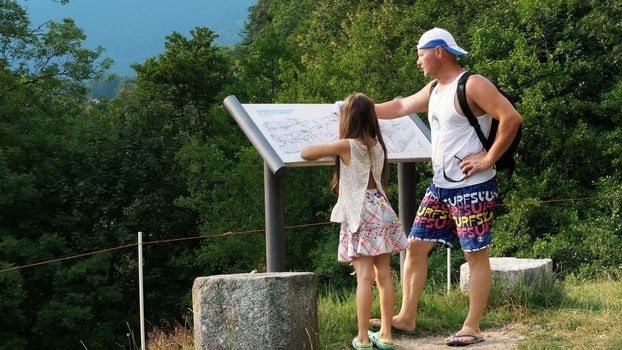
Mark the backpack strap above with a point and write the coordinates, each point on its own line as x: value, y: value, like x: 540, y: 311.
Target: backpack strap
x: 464, y: 105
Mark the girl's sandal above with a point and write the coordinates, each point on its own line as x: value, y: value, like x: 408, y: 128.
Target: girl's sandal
x: 358, y: 346
x: 382, y: 344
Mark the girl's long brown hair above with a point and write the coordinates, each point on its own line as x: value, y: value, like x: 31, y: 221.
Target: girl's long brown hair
x: 358, y: 120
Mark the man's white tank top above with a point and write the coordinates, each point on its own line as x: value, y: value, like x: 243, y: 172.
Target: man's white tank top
x: 453, y: 136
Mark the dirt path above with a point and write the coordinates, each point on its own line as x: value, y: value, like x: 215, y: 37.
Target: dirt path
x: 496, y: 338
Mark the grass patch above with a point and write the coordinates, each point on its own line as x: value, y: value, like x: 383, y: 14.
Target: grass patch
x: 588, y: 317
x: 179, y: 338
x: 574, y: 314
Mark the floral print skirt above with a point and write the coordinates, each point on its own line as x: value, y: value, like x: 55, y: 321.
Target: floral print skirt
x: 380, y: 231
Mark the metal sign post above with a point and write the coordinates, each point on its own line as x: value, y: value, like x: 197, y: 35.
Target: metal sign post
x: 407, y: 185
x: 273, y: 186
x: 275, y: 223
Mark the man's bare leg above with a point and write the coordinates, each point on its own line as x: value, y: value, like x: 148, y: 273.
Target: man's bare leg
x: 479, y: 288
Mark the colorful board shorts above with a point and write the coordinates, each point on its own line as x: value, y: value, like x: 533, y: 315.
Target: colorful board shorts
x: 380, y: 231
x: 466, y: 213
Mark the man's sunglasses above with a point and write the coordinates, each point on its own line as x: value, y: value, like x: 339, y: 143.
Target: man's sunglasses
x: 449, y: 179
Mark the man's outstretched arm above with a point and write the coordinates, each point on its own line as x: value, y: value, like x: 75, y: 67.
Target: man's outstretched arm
x: 414, y: 103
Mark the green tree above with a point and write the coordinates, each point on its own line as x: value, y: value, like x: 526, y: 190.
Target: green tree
x: 189, y: 74
x: 41, y: 91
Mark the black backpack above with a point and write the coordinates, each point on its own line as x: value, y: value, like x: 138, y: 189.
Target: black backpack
x: 506, y: 162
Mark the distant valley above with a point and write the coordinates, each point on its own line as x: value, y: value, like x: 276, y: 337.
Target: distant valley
x: 132, y: 31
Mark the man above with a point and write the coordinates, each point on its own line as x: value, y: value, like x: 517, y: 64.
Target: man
x: 460, y: 200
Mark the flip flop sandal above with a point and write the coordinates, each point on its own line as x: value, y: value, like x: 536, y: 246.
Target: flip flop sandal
x: 454, y: 339
x: 382, y: 344
x: 358, y: 346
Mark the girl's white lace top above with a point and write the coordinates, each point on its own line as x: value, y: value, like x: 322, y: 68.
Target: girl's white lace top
x: 353, y: 179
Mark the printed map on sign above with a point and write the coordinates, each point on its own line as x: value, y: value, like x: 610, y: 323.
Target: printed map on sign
x: 290, y: 135
x: 290, y: 127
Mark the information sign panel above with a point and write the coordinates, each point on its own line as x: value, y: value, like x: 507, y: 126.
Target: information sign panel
x: 289, y: 127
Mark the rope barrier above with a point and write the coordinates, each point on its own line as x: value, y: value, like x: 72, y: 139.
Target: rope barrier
x: 248, y: 232
x: 538, y: 202
x: 241, y: 233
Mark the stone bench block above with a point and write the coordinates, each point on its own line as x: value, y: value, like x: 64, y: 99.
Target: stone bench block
x: 509, y: 273
x: 256, y: 311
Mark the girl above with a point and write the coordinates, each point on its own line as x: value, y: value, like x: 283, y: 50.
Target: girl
x: 370, y: 231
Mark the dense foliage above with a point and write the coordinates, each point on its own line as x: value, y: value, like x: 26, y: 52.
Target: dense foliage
x: 164, y: 157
